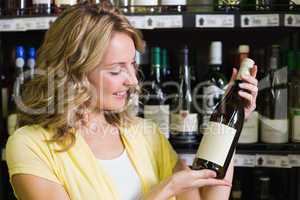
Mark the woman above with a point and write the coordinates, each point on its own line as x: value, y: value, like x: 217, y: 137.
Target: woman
x: 77, y: 140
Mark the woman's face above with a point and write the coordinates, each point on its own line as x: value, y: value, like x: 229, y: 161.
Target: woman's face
x: 116, y: 74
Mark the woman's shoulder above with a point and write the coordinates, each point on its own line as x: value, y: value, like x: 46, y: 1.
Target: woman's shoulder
x: 29, y: 134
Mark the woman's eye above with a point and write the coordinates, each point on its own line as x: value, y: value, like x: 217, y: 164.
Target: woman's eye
x: 115, y: 72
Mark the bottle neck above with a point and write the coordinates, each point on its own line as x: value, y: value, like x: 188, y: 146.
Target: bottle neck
x: 185, y: 95
x: 156, y: 76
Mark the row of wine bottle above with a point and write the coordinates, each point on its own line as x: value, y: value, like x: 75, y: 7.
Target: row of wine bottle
x: 47, y: 7
x: 278, y: 103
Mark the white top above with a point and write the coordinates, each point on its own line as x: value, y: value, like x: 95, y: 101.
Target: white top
x: 124, y: 175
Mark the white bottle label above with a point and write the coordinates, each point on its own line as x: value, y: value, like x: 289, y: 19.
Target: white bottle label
x: 173, y: 2
x: 159, y: 114
x: 48, y: 2
x: 144, y: 2
x: 296, y: 125
x: 184, y: 122
x: 249, y: 133
x: 274, y: 130
x: 216, y: 142
x: 65, y: 2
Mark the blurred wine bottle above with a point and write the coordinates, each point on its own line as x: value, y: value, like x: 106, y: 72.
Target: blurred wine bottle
x: 144, y: 6
x: 155, y: 107
x: 294, y: 94
x: 41, y: 7
x: 173, y: 6
x: 274, y: 123
x: 184, y: 119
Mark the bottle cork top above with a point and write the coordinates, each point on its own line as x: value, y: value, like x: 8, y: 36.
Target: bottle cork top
x: 244, y: 48
x: 246, y: 65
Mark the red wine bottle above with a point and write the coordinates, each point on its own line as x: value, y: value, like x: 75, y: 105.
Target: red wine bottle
x: 222, y: 133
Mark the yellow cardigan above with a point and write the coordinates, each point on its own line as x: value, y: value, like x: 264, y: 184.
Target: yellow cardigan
x: 77, y: 169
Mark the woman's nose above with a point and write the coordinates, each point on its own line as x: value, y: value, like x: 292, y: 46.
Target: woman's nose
x: 131, y: 78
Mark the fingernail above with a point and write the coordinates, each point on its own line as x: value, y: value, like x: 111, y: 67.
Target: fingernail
x: 213, y: 174
x: 241, y: 85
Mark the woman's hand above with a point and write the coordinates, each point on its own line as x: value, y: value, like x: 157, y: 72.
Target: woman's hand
x: 183, y: 181
x: 192, y: 179
x: 250, y: 85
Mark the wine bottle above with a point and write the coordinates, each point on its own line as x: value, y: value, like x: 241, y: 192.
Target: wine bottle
x: 214, y: 87
x: 16, y: 7
x: 41, y: 7
x: 31, y: 61
x: 249, y: 133
x: 155, y: 107
x: 61, y: 5
x: 176, y: 6
x: 197, y: 6
x: 12, y: 123
x: 124, y: 5
x: 165, y: 65
x: 294, y: 89
x: 243, y: 52
x: 220, y: 138
x: 184, y: 121
x: 144, y: 6
x: 274, y: 123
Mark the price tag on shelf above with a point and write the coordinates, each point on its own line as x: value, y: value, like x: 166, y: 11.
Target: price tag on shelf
x: 292, y: 20
x: 294, y: 160
x: 142, y: 22
x: 43, y: 23
x: 276, y: 161
x: 188, y: 158
x: 214, y: 21
x: 260, y: 20
x: 7, y: 25
x: 168, y: 21
x: 29, y: 23
x: 244, y: 160
x: 19, y: 24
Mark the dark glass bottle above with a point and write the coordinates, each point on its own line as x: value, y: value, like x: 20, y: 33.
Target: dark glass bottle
x: 61, y: 5
x: 221, y: 136
x: 274, y: 124
x: 214, y: 87
x: 165, y: 65
x: 19, y: 80
x: 144, y: 6
x: 294, y: 90
x: 155, y: 107
x: 31, y: 57
x: 41, y: 7
x: 184, y: 121
x: 176, y: 6
x: 16, y: 7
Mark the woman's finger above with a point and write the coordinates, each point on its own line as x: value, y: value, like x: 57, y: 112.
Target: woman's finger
x: 246, y: 96
x: 249, y: 87
x: 250, y: 79
x: 203, y: 174
x: 210, y: 182
x: 253, y: 71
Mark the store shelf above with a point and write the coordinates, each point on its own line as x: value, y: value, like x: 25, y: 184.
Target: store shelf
x: 258, y: 155
x: 174, y: 21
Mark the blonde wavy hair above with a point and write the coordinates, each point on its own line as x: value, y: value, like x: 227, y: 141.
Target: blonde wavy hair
x: 73, y: 46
